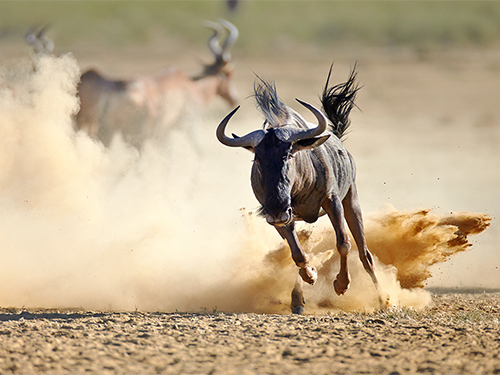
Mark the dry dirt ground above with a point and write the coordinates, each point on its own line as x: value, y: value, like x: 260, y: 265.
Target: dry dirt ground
x: 457, y: 334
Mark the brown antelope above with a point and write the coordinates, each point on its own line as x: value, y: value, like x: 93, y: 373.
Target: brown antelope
x: 147, y: 105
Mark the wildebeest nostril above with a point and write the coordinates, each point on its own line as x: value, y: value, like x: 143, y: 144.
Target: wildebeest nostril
x: 284, y: 218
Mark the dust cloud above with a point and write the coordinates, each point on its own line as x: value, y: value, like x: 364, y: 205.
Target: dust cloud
x: 91, y: 227
x: 406, y: 244
x: 114, y: 228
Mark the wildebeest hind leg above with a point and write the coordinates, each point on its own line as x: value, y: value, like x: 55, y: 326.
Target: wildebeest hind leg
x: 354, y: 218
x: 335, y: 212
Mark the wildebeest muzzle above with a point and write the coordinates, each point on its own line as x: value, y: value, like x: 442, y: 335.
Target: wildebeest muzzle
x: 284, y: 219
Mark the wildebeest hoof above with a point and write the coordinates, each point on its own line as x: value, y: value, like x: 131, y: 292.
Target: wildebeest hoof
x: 340, y: 287
x: 308, y: 274
x: 299, y: 310
x: 298, y: 301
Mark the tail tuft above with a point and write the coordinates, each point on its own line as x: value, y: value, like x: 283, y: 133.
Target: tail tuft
x: 338, y: 101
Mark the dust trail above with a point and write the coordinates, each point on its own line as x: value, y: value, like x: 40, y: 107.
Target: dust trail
x: 86, y: 226
x: 406, y: 244
x: 414, y: 240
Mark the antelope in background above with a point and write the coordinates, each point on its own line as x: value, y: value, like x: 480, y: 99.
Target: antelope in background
x: 149, y: 105
x: 42, y: 46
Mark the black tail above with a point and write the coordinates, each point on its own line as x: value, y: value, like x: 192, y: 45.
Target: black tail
x: 338, y: 102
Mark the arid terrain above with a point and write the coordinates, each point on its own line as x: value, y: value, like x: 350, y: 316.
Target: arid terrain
x: 457, y: 334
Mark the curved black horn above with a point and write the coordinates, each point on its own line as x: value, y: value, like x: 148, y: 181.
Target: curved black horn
x: 309, y: 133
x: 250, y: 140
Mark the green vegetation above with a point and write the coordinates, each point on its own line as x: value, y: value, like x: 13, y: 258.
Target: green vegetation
x: 264, y: 25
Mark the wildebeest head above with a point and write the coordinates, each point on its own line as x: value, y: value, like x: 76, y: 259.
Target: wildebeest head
x: 285, y: 134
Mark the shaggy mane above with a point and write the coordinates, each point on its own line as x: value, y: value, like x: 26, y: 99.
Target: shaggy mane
x: 275, y: 111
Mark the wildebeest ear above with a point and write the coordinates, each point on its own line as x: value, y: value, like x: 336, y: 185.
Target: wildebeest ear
x: 309, y: 143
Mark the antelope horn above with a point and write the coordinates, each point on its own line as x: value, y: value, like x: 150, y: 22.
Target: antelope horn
x: 232, y: 36
x: 29, y: 35
x: 48, y: 44
x: 41, y: 32
x: 213, y: 41
x: 250, y: 140
x: 309, y: 133
x: 32, y: 38
x: 38, y: 40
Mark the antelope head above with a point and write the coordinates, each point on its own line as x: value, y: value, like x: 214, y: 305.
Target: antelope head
x: 221, y: 68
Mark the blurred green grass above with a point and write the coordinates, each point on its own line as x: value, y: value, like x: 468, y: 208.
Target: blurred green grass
x: 265, y: 26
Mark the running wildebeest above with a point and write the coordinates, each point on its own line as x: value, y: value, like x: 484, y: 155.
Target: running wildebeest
x: 301, y: 171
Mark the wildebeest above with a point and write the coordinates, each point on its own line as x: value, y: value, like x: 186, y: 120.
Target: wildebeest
x: 302, y: 171
x: 142, y: 106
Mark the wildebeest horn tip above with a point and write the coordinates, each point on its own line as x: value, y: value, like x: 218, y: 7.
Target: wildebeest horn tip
x: 322, y: 121
x: 222, y: 127
x: 248, y: 141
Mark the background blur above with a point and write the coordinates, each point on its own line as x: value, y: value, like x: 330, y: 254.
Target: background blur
x: 427, y: 134
x: 275, y: 27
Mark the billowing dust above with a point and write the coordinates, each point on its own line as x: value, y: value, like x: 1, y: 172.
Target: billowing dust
x: 405, y: 244
x: 159, y: 229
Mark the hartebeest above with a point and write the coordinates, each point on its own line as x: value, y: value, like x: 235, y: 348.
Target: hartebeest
x: 145, y: 105
x: 301, y: 171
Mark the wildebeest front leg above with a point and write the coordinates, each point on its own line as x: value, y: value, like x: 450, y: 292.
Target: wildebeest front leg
x: 335, y: 212
x: 308, y: 273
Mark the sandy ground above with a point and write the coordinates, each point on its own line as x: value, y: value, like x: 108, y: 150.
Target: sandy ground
x: 457, y: 334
